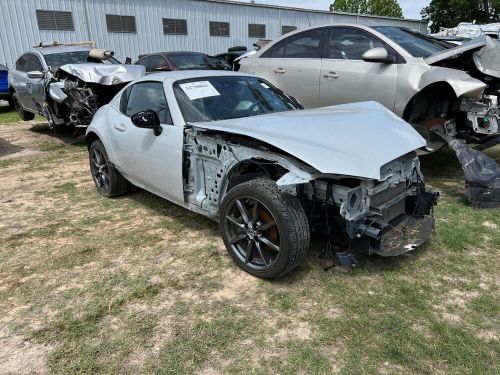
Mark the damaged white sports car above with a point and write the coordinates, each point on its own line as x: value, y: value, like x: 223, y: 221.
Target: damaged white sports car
x: 240, y: 151
x: 67, y: 84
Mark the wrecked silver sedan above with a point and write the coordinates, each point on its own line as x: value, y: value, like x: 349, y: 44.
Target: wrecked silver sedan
x: 447, y: 94
x: 240, y: 151
x: 67, y: 84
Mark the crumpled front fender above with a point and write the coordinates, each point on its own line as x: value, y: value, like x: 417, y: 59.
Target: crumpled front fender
x: 418, y: 77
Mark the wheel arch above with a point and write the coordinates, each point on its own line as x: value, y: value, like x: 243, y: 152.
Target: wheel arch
x: 94, y: 135
x: 272, y: 168
x: 442, y: 95
x: 90, y: 138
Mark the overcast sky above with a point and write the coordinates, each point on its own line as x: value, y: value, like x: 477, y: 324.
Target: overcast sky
x: 411, y: 8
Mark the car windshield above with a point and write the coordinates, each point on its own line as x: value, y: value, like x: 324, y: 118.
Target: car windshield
x: 415, y: 43
x: 56, y: 60
x: 222, y: 98
x: 189, y: 61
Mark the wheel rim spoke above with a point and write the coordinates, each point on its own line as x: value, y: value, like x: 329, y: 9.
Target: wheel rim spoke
x: 249, y: 253
x: 97, y: 157
x: 235, y: 221
x: 96, y: 164
x: 269, y: 243
x: 238, y: 238
x: 266, y: 226
x: 243, y: 211
x: 255, y: 214
x: 259, y: 249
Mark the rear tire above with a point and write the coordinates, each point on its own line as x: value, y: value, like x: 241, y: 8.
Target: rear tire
x: 108, y: 180
x: 25, y: 115
x: 266, y: 232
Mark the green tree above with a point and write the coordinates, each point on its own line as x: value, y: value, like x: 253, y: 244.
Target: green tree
x: 449, y: 13
x: 387, y: 8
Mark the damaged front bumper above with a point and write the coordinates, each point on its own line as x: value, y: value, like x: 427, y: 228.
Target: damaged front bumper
x: 379, y: 233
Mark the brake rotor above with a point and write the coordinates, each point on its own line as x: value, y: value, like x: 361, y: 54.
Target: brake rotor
x: 272, y: 233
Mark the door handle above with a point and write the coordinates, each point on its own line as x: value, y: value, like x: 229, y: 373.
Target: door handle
x: 279, y: 71
x: 331, y: 75
x: 120, y: 127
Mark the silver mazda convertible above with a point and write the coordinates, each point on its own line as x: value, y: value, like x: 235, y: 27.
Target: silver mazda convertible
x: 238, y: 150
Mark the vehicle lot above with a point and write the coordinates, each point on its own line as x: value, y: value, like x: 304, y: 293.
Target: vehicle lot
x: 138, y: 285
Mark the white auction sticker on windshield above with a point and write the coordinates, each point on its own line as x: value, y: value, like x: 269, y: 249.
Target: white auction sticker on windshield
x: 198, y: 90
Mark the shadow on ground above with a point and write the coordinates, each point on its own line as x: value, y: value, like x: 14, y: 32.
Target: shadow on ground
x: 8, y: 148
x: 68, y: 135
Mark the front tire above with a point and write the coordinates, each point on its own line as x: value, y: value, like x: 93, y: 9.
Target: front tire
x: 25, y: 115
x: 108, y: 180
x: 266, y: 232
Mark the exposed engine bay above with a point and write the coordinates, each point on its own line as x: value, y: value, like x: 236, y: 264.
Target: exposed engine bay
x: 479, y: 59
x: 388, y: 217
x: 76, y: 91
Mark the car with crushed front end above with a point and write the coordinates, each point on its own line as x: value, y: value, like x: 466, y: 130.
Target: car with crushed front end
x: 240, y: 151
x: 67, y: 83
x: 448, y: 93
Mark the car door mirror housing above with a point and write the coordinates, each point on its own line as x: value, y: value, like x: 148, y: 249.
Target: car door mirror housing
x: 378, y: 55
x: 147, y: 120
x: 35, y: 74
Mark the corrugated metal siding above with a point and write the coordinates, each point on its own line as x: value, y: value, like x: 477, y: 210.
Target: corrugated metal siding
x: 19, y: 30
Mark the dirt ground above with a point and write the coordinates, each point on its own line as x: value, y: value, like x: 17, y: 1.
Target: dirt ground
x: 139, y: 285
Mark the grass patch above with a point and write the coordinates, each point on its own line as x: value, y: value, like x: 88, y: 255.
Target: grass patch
x: 9, y: 116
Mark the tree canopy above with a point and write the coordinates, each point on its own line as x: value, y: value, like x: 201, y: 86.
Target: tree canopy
x: 387, y: 8
x: 449, y: 13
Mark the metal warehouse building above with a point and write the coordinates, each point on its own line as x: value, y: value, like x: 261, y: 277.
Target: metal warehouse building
x: 133, y: 27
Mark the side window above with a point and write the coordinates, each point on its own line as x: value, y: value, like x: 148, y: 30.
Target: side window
x: 144, y: 96
x: 33, y: 63
x: 277, y: 51
x: 145, y: 62
x: 158, y: 63
x: 350, y: 44
x: 306, y: 44
x: 124, y: 100
x: 21, y: 64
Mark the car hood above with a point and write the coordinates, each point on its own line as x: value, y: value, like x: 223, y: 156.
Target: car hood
x: 105, y: 74
x: 486, y: 58
x: 352, y: 139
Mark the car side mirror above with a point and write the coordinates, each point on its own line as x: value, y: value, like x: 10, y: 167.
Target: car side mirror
x: 147, y: 120
x: 36, y: 74
x: 378, y: 55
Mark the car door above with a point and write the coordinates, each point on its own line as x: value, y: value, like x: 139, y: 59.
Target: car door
x: 19, y: 79
x: 294, y: 65
x: 346, y: 78
x: 36, y: 86
x: 149, y: 161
